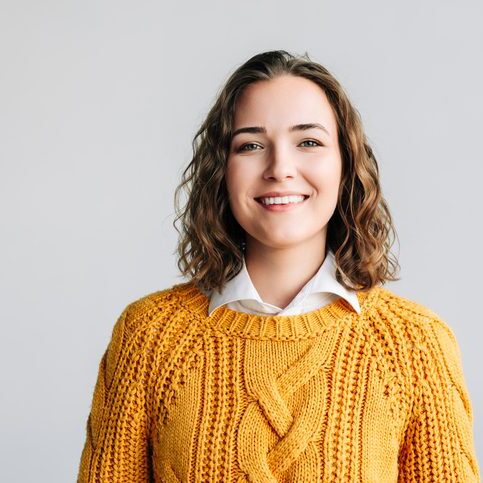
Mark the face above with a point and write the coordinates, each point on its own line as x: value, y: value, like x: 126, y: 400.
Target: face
x: 286, y: 143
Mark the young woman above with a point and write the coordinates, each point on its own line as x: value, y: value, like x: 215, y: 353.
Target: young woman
x: 282, y: 358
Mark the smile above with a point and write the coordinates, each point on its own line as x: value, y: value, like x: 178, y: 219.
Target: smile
x: 275, y: 207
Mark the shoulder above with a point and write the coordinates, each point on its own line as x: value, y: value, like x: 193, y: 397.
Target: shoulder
x: 143, y: 305
x: 408, y: 327
x: 403, y: 305
x: 152, y: 306
x: 413, y: 343
x: 410, y: 313
x: 416, y: 327
x: 154, y: 314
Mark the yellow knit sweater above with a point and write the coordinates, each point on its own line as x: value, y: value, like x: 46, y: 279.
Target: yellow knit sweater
x: 325, y: 396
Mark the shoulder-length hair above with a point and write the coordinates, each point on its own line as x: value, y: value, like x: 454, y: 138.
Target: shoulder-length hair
x: 210, y: 246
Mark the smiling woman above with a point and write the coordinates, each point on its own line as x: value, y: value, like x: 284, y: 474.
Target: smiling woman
x: 288, y: 158
x: 282, y: 358
x: 283, y: 125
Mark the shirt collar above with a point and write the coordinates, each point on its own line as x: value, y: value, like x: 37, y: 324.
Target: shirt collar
x: 241, y: 287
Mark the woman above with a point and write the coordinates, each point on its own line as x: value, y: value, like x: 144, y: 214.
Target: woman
x: 283, y: 358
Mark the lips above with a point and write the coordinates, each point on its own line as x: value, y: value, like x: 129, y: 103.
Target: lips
x: 259, y: 198
x: 281, y: 194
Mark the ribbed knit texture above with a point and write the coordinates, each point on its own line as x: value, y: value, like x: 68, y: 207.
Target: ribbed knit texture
x: 325, y: 396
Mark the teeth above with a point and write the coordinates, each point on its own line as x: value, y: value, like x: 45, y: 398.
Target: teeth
x: 282, y: 200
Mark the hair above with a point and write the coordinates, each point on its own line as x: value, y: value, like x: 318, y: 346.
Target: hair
x: 210, y: 249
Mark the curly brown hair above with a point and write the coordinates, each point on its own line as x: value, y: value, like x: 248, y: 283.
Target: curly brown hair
x: 210, y: 247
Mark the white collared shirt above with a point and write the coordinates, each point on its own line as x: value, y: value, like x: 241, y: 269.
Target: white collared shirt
x: 240, y: 294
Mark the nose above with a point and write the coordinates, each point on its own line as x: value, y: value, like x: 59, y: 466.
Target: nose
x: 281, y: 164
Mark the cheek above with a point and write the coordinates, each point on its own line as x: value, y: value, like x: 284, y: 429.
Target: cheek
x: 326, y: 176
x: 230, y: 177
x: 235, y: 186
x: 239, y: 180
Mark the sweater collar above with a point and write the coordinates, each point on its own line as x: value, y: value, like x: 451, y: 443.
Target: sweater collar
x: 241, y: 289
x: 274, y: 327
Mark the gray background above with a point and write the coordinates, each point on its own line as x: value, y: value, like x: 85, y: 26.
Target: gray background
x: 99, y: 102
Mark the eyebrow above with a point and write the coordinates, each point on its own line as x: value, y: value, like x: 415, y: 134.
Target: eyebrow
x: 297, y: 127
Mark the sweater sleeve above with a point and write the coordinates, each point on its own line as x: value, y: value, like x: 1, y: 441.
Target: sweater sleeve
x: 438, y: 443
x: 116, y: 443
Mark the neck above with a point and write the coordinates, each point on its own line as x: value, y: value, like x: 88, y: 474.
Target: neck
x: 278, y: 274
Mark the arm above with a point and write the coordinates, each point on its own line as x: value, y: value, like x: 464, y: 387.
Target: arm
x: 438, y: 444
x: 116, y: 445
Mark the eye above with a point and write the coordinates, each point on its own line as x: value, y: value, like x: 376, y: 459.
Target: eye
x: 316, y: 143
x: 241, y: 148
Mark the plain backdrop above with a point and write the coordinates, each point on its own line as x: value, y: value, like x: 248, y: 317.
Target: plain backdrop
x: 99, y: 102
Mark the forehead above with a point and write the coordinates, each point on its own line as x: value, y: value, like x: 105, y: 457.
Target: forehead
x: 283, y: 101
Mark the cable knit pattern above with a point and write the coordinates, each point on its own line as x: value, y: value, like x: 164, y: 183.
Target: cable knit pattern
x: 325, y: 396
x: 282, y: 436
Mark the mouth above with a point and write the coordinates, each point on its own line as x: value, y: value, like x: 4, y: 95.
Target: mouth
x: 259, y: 200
